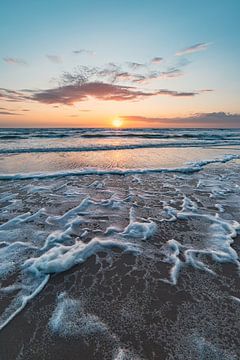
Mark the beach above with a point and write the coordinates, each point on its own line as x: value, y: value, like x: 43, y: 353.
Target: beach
x: 119, y: 180
x: 119, y: 244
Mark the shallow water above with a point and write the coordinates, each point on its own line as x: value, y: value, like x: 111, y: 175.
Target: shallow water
x: 59, y: 150
x: 109, y: 160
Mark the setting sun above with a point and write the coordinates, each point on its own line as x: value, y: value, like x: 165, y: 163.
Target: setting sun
x: 117, y: 122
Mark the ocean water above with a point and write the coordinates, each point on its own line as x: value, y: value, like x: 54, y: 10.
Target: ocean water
x: 62, y: 150
x: 119, y: 244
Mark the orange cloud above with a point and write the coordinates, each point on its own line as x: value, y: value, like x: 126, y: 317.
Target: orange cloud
x: 71, y: 94
x: 213, y: 119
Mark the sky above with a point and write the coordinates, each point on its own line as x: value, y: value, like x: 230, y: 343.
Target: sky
x: 134, y: 63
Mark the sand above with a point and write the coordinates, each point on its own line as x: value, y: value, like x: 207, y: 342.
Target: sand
x: 173, y: 293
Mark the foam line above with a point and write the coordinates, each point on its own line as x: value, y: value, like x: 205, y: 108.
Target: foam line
x: 62, y: 258
x: 193, y: 167
x: 21, y: 219
x: 25, y: 300
x: 82, y: 207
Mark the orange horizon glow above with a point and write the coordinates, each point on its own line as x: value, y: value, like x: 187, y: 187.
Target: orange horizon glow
x: 102, y: 114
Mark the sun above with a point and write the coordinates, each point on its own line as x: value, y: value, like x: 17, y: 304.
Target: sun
x: 117, y: 122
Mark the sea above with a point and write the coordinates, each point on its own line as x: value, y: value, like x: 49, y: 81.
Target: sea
x: 119, y: 244
x: 63, y: 151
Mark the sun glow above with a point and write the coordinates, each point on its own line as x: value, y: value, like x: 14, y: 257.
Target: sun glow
x: 117, y: 122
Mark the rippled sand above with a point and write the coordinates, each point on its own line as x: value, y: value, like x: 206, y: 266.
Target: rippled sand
x: 138, y: 266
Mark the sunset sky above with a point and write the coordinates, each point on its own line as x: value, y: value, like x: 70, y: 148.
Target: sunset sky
x: 149, y: 63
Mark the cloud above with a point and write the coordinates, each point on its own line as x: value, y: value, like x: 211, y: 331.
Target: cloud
x: 126, y: 76
x: 99, y: 83
x: 56, y: 59
x: 110, y: 73
x: 80, y: 75
x: 8, y: 113
x: 70, y: 94
x: 170, y: 73
x: 205, y: 91
x: 192, y: 49
x: 135, y: 65
x: 156, y: 60
x: 12, y: 95
x: 213, y: 119
x: 102, y: 83
x: 84, y: 52
x: 15, y: 61
x: 114, y: 73
x: 177, y: 93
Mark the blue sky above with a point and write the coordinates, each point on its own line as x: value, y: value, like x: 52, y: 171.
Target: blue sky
x: 38, y: 40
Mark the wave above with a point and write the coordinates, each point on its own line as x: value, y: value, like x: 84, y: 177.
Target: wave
x: 210, y: 134
x: 191, y: 168
x: 110, y: 147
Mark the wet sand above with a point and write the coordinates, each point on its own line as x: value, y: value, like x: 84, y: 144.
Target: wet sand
x: 167, y: 300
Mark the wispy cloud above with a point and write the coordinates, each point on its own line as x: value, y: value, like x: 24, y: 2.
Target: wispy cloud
x: 114, y: 73
x: 192, y: 49
x: 12, y: 95
x: 145, y: 73
x: 110, y: 73
x: 12, y: 110
x: 15, y: 61
x: 56, y: 59
x: 168, y: 74
x: 212, y: 119
x: 8, y: 113
x: 84, y: 52
x: 135, y: 66
x: 156, y: 60
x: 127, y: 76
x: 171, y: 73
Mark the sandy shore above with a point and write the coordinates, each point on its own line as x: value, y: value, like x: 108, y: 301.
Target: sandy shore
x: 171, y: 293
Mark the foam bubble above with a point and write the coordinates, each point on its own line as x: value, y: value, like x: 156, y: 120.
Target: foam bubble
x: 219, y: 237
x: 70, y: 320
x: 136, y: 229
x: 61, y: 258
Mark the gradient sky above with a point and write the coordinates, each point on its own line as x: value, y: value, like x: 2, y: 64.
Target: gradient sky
x: 151, y: 63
